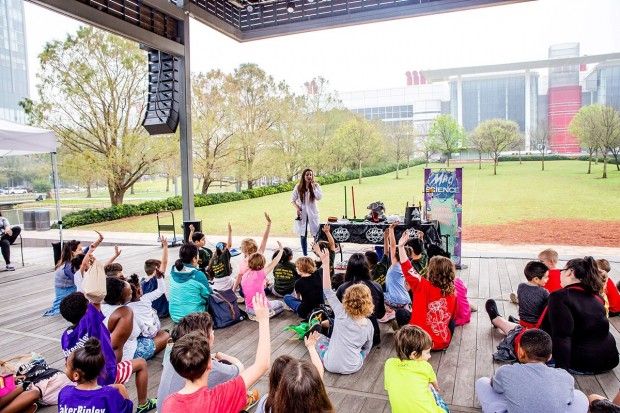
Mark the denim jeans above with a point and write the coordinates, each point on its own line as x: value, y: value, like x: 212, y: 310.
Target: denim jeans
x: 60, y: 294
x: 292, y: 302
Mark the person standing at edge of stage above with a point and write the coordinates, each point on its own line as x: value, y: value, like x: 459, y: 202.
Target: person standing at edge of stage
x: 304, y: 198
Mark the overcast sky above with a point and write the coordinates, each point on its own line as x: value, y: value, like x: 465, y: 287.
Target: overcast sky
x: 377, y: 55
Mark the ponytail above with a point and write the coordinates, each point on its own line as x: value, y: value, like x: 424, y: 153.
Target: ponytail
x: 586, y: 271
x: 178, y: 264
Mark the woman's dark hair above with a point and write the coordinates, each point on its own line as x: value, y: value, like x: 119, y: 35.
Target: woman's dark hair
x: 302, y: 187
x: 68, y: 249
x: 287, y: 255
x: 73, y: 307
x: 76, y: 262
x: 199, y: 321
x: 187, y: 253
x: 134, y: 283
x: 275, y: 375
x: 301, y: 390
x: 88, y: 360
x: 114, y: 287
x: 357, y: 268
x: 586, y: 271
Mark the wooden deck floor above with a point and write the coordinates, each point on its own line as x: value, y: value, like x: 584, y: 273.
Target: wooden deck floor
x: 26, y: 293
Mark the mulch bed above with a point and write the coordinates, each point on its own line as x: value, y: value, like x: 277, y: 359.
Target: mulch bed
x: 548, y: 231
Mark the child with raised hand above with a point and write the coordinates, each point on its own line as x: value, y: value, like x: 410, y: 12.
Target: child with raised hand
x: 204, y: 254
x: 284, y: 274
x: 83, y: 367
x: 64, y: 281
x: 255, y: 279
x: 82, y: 262
x: 153, y: 268
x: 191, y: 359
x: 531, y: 386
x: 219, y: 268
x: 308, y: 293
x: 379, y: 268
x: 352, y: 334
x: 396, y: 295
x: 265, y: 404
x: 434, y: 299
x: 410, y: 380
x: 249, y: 247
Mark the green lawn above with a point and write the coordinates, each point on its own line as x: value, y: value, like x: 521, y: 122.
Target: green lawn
x: 518, y: 192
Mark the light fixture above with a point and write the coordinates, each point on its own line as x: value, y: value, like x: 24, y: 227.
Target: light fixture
x: 250, y: 8
x: 290, y: 6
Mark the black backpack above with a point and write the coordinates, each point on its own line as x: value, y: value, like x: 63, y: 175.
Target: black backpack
x: 224, y: 309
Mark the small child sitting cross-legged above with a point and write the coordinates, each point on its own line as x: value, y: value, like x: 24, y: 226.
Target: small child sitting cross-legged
x: 532, y: 296
x: 191, y: 359
x: 410, y: 380
x: 531, y: 386
x: 352, y: 335
x: 83, y: 368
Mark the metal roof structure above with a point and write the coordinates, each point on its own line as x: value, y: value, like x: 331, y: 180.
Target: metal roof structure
x: 164, y: 25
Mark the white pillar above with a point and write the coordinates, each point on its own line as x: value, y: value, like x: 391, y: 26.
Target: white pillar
x: 459, y: 100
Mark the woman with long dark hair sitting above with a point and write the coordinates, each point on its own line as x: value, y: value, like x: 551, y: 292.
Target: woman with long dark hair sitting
x: 577, y: 322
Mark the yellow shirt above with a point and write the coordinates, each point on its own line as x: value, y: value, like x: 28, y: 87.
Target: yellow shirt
x: 406, y: 382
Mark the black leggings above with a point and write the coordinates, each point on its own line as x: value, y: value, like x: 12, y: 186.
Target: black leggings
x: 6, y: 241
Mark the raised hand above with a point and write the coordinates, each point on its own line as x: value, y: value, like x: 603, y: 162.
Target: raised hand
x: 117, y: 250
x: 311, y: 339
x: 267, y: 218
x: 403, y: 239
x: 325, y: 228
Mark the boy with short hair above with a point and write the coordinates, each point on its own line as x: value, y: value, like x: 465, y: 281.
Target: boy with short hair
x: 531, y: 386
x: 114, y: 269
x: 532, y: 296
x: 550, y: 257
x: 191, y: 359
x: 204, y: 253
x: 149, y: 284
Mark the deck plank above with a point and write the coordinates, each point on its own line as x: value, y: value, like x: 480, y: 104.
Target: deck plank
x: 26, y: 293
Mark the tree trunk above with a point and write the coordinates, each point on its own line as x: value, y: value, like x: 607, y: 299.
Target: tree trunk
x: 615, y: 154
x: 88, y: 190
x: 250, y: 184
x: 448, y: 160
x: 408, y: 162
x: 495, y: 165
x: 479, y: 161
x: 590, y: 164
x: 605, y: 166
x: 596, y: 159
x: 205, y: 185
x: 543, y: 161
x: 167, y: 182
x: 520, y: 163
x: 359, y: 168
x: 397, y: 167
x: 132, y: 192
x: 117, y: 193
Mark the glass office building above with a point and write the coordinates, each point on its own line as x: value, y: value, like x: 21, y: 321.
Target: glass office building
x: 13, y: 61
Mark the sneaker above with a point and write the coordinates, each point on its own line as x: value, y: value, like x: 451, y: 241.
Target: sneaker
x: 388, y: 317
x: 10, y: 268
x: 252, y: 317
x: 240, y: 300
x: 286, y: 307
x: 492, y: 311
x: 514, y: 298
x: 149, y: 405
x: 395, y: 325
x: 251, y: 398
x: 473, y: 308
x: 513, y: 319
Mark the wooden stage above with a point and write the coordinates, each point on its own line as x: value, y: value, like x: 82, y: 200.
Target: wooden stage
x: 26, y: 293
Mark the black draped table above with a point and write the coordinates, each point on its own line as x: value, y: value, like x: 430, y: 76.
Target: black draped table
x: 372, y: 232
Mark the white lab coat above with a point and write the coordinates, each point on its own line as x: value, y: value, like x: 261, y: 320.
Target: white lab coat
x: 309, y: 211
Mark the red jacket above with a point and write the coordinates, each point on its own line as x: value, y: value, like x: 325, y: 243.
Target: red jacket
x: 554, y: 281
x: 613, y: 296
x: 432, y: 310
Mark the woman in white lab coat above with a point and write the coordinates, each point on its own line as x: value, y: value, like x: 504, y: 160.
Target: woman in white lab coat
x: 304, y: 198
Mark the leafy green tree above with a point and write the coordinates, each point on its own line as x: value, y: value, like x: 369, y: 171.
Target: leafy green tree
x: 477, y: 141
x: 447, y: 134
x: 287, y: 156
x: 212, y: 128
x: 499, y: 135
x: 425, y: 144
x: 92, y: 94
x: 254, y: 109
x: 361, y: 140
x: 539, y: 138
x: 399, y: 145
x: 584, y: 127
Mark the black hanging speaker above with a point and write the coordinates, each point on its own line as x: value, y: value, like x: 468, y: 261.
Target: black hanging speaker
x: 162, y: 112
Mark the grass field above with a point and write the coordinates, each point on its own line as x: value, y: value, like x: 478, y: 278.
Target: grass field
x: 518, y: 192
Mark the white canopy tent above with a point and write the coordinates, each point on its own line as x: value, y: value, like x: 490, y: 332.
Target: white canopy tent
x: 16, y: 139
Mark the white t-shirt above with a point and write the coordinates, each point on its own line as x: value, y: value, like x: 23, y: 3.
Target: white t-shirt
x: 145, y: 314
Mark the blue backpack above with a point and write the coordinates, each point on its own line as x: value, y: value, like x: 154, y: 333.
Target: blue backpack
x: 224, y: 309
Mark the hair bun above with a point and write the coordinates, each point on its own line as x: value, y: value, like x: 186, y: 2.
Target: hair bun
x: 92, y: 346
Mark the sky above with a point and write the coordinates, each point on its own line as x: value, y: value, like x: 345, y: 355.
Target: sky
x: 377, y: 55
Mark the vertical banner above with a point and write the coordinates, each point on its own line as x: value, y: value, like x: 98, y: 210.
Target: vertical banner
x: 443, y: 200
